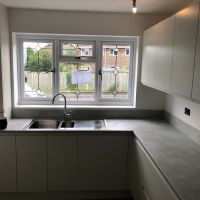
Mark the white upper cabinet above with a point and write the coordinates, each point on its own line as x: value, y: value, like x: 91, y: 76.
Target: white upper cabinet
x: 165, y: 37
x: 158, y: 54
x: 146, y: 181
x: 196, y: 80
x: 169, y: 63
x: 149, y: 58
x: 184, y: 50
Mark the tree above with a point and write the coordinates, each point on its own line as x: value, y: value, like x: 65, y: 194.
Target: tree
x: 39, y: 61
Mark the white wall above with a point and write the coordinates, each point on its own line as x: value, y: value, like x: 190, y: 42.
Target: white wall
x: 91, y: 23
x: 176, y: 106
x: 43, y: 21
x: 5, y: 81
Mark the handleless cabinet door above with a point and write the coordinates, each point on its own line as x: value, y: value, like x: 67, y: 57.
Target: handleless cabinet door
x: 165, y: 53
x: 62, y: 163
x: 7, y: 164
x: 31, y: 163
x: 149, y: 57
x: 146, y: 182
x: 184, y: 50
x: 196, y: 80
x: 103, y: 162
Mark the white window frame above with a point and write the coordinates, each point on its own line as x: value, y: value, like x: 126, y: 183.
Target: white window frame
x: 77, y: 40
x: 56, y: 39
x: 131, y: 70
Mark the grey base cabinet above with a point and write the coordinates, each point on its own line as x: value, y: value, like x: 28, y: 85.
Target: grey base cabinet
x: 146, y: 183
x: 62, y: 163
x: 31, y: 163
x: 102, y: 162
x: 7, y: 164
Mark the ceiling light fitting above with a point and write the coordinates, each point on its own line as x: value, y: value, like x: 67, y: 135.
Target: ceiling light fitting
x: 134, y: 9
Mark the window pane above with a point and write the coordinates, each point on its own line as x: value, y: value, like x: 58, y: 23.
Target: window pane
x: 77, y: 49
x: 38, y: 62
x: 77, y: 81
x: 115, y: 71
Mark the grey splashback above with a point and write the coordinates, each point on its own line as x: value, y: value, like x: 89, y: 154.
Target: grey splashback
x: 186, y: 129
x: 88, y: 113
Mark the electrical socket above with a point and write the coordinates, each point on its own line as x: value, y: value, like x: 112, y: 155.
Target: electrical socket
x: 187, y: 111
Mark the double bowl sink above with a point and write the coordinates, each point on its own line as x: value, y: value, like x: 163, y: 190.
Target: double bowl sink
x: 75, y: 124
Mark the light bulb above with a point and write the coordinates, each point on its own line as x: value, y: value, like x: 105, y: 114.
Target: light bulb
x: 134, y: 9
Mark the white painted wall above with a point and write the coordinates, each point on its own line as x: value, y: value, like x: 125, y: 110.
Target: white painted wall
x: 176, y: 106
x: 91, y: 23
x: 5, y: 81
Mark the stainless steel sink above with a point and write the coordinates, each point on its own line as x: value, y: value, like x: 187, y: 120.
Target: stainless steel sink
x: 56, y: 124
x: 44, y: 124
x: 83, y: 124
x: 67, y: 124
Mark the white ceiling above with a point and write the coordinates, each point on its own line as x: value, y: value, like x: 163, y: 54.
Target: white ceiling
x: 144, y: 6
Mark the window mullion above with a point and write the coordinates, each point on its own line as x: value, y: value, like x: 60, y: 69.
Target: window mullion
x: 56, y: 74
x: 98, y: 67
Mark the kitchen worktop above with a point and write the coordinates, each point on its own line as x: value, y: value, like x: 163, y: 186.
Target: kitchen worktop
x: 175, y: 155
x: 19, y: 125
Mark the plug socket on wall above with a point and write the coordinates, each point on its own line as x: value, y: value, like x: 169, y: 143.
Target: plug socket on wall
x: 187, y: 111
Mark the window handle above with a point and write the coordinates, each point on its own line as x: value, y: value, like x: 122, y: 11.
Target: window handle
x: 100, y: 74
x: 53, y: 71
x: 78, y: 57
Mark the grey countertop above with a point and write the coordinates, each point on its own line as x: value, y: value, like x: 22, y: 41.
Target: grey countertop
x: 176, y: 156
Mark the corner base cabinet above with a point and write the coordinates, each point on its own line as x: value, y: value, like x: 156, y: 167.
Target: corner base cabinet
x: 145, y: 181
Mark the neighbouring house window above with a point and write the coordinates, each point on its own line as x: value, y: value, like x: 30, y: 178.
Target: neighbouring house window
x: 127, y: 52
x: 78, y: 66
x: 85, y: 51
x: 113, y: 51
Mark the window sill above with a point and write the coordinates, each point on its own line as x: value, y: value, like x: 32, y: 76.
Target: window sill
x: 73, y: 107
